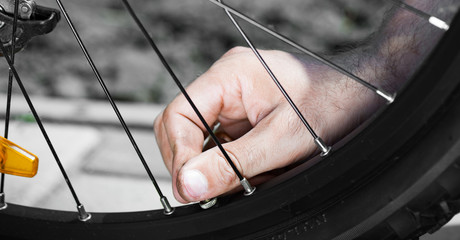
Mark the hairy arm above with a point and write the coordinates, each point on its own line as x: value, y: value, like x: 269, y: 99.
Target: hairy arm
x: 237, y: 92
x: 402, y: 43
x: 387, y: 59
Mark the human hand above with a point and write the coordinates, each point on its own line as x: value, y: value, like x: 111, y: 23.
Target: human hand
x: 237, y: 92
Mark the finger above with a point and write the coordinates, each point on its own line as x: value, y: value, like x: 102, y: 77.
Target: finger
x: 264, y: 148
x: 163, y: 142
x: 166, y: 151
x: 218, y: 95
x: 176, y: 194
x: 234, y: 129
x: 184, y: 139
x: 182, y: 127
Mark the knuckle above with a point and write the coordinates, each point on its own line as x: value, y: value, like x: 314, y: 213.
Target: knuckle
x: 226, y: 175
x: 168, y: 115
x: 236, y: 160
x: 235, y: 50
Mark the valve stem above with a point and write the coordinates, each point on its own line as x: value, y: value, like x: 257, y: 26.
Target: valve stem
x: 208, y: 203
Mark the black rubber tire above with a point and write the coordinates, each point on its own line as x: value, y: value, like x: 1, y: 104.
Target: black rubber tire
x: 396, y: 178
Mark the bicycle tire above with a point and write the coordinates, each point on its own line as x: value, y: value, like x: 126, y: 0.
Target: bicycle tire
x: 362, y: 191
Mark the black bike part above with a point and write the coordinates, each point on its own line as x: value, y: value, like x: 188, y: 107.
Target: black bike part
x: 42, y: 21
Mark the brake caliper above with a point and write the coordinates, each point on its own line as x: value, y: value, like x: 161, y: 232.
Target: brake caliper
x: 33, y: 20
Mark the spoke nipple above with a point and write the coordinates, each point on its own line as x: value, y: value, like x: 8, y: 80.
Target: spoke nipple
x: 389, y: 97
x: 168, y: 210
x: 438, y: 23
x: 82, y: 214
x: 325, y: 149
x: 208, y: 203
x: 248, y: 188
x: 3, y: 204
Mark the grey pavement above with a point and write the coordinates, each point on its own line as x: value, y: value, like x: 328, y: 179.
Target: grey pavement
x: 102, y: 164
x: 100, y: 161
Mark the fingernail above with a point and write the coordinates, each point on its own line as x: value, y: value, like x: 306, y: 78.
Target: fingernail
x: 195, y: 183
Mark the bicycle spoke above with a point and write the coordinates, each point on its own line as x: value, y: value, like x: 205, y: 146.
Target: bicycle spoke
x: 248, y: 188
x: 168, y: 210
x: 382, y: 93
x: 3, y: 204
x: 431, y: 19
x: 325, y: 150
x: 83, y: 215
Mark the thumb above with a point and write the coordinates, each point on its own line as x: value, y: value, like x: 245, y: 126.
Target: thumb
x: 262, y: 149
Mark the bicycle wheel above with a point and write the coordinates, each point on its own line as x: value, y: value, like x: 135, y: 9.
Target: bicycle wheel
x: 367, y: 193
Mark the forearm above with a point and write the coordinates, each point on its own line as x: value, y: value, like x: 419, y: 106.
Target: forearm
x: 386, y: 60
x: 402, y: 43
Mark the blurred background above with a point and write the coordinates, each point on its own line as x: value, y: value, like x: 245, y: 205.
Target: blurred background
x: 192, y: 35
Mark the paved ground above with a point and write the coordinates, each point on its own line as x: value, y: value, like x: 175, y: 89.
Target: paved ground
x: 102, y: 165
